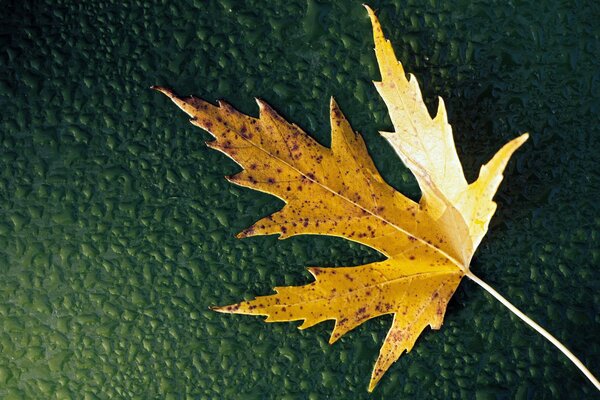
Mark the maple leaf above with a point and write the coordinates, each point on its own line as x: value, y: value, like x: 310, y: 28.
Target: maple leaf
x: 338, y: 191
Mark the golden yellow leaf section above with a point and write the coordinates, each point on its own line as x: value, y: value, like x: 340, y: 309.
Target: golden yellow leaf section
x: 416, y: 293
x: 338, y: 191
x: 331, y: 191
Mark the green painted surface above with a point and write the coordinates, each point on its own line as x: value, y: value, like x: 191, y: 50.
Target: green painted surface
x: 116, y: 227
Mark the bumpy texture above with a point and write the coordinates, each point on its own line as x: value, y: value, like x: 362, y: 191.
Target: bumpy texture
x: 109, y: 259
x: 338, y: 191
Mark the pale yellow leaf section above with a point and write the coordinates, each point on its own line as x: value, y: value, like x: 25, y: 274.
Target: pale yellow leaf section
x: 426, y: 147
x: 424, y: 144
x: 475, y: 203
x: 416, y: 292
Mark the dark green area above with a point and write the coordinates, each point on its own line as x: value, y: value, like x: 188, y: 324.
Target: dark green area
x: 116, y: 227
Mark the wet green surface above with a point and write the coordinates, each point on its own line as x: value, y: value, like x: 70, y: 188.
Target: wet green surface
x: 116, y: 227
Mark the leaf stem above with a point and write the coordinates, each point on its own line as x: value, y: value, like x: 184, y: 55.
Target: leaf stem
x: 536, y: 327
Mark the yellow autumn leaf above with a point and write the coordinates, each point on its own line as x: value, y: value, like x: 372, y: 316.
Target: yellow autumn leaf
x: 338, y: 191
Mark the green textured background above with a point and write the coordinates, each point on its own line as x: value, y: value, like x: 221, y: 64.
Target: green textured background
x: 116, y: 227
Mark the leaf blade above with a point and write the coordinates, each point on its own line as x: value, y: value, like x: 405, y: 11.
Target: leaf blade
x: 415, y: 295
x: 338, y: 191
x: 358, y: 218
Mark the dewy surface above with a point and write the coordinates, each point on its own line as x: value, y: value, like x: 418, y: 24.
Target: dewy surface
x: 116, y: 226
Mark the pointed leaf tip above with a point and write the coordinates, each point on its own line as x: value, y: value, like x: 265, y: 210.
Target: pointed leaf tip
x: 230, y: 309
x: 370, y: 388
x: 243, y: 234
x: 334, y: 109
x: 261, y: 103
x: 332, y: 102
x: 524, y: 137
x: 166, y: 91
x: 373, y: 18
